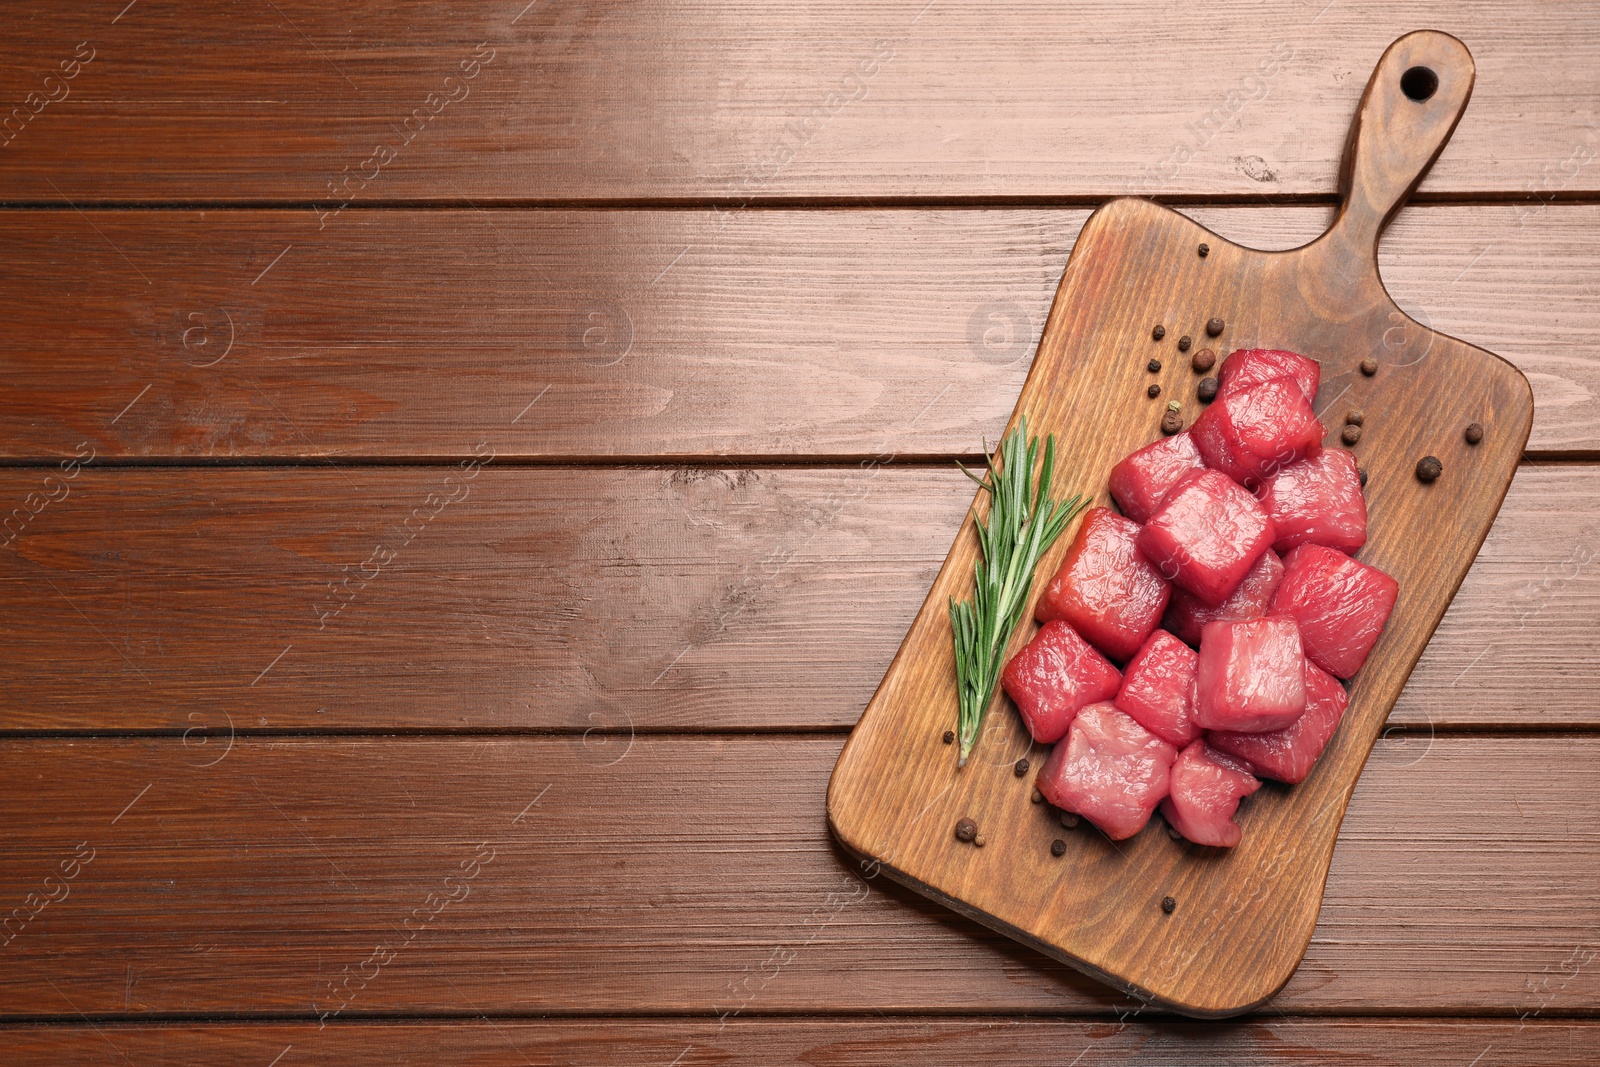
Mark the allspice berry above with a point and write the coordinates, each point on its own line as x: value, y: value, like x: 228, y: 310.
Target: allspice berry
x: 1171, y: 423
x: 1369, y: 366
x: 1429, y: 468
x: 1203, y: 360
x: 1354, y: 418
x: 966, y: 830
x: 1213, y: 327
x: 1474, y: 433
x: 1058, y: 847
x: 1037, y: 798
x: 1350, y: 434
x: 1207, y: 390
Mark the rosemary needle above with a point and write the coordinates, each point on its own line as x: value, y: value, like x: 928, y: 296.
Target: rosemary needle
x: 1023, y: 522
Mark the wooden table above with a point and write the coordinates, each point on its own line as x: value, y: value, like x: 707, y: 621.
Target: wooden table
x: 467, y: 467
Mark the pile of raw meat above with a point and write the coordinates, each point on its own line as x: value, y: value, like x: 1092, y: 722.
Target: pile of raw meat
x: 1226, y: 591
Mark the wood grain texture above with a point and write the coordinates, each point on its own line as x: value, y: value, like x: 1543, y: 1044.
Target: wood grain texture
x: 1251, y: 909
x: 570, y: 599
x: 835, y: 1042
x: 177, y: 334
x: 733, y: 100
x: 696, y: 875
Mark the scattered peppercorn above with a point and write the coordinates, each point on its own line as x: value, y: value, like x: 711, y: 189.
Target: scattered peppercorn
x: 1173, y: 405
x: 1159, y: 332
x: 1153, y: 391
x: 1369, y: 366
x: 1205, y: 250
x: 1058, y: 847
x: 1037, y: 798
x: 1184, y: 342
x: 1172, y: 832
x: 949, y: 737
x: 1171, y: 423
x: 1361, y: 472
x: 980, y: 841
x: 1153, y: 366
x: 1020, y: 767
x: 1213, y: 327
x: 1354, y: 418
x: 1169, y: 905
x: 1429, y: 468
x: 1208, y: 390
x: 1350, y: 434
x: 966, y: 830
x: 1474, y: 434
x: 1068, y: 819
x: 1203, y: 360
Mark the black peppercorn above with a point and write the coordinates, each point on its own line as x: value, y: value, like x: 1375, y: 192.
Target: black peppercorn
x: 1153, y: 391
x: 1361, y: 472
x: 1213, y: 327
x: 1429, y: 468
x: 1058, y: 847
x: 1169, y: 905
x: 1204, y: 250
x: 966, y: 830
x: 949, y: 737
x: 1020, y: 768
x: 1068, y: 819
x: 1153, y: 366
x: 1184, y: 342
x: 1474, y: 434
x: 1159, y: 332
x: 1207, y: 390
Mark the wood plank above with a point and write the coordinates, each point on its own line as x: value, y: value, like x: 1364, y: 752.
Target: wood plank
x: 571, y: 599
x: 988, y: 1042
x: 695, y: 875
x: 233, y: 335
x: 763, y: 99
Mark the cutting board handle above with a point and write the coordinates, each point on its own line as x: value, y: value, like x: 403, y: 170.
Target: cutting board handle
x: 1415, y: 97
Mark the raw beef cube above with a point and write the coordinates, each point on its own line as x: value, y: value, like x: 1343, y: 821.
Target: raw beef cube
x: 1110, y: 770
x: 1053, y: 676
x: 1252, y: 366
x: 1251, y: 675
x: 1186, y: 614
x: 1205, y: 792
x: 1106, y: 588
x: 1158, y: 688
x: 1340, y: 603
x: 1289, y: 754
x: 1140, y: 481
x: 1206, y: 535
x: 1317, y: 501
x: 1255, y: 432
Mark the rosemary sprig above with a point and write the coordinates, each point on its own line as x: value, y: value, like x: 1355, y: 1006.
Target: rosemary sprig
x: 1022, y: 524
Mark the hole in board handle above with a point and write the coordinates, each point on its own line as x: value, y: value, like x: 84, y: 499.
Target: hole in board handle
x: 1419, y: 83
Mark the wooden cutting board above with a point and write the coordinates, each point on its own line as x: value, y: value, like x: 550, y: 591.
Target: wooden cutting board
x: 1243, y: 917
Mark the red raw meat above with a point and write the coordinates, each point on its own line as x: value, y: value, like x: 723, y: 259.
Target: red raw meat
x: 1205, y: 792
x: 1340, y: 603
x: 1251, y: 366
x: 1053, y: 676
x: 1158, y: 688
x: 1289, y: 754
x: 1317, y: 501
x: 1186, y: 614
x: 1251, y: 675
x: 1106, y: 588
x: 1110, y: 770
x: 1206, y: 535
x: 1140, y: 481
x: 1258, y: 430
